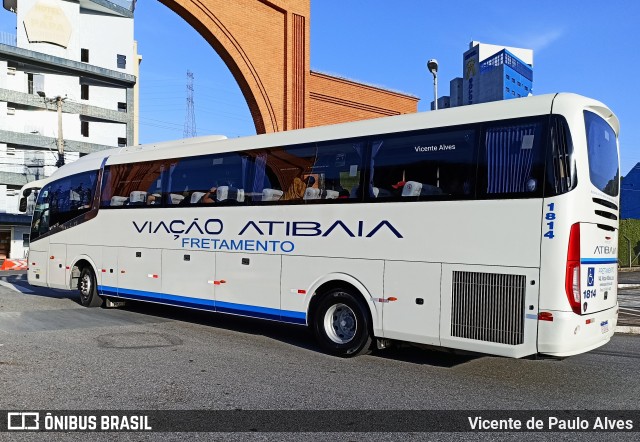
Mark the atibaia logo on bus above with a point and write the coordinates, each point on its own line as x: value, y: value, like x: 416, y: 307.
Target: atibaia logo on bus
x: 196, y: 228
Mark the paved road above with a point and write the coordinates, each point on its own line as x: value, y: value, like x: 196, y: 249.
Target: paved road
x: 629, y: 277
x: 54, y: 354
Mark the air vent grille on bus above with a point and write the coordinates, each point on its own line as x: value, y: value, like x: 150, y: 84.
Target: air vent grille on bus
x: 488, y: 307
x: 605, y: 203
x: 606, y: 214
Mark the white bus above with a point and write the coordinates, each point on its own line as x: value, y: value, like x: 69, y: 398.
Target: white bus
x: 489, y: 228
x: 29, y: 194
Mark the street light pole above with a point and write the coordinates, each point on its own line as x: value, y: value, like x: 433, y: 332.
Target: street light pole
x: 432, y: 65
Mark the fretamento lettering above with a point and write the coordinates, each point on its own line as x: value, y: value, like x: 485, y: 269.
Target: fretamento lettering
x: 242, y: 245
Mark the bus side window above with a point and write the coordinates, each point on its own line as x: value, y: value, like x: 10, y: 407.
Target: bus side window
x: 424, y: 165
x: 135, y: 184
x: 310, y: 172
x: 196, y: 180
x: 511, y: 160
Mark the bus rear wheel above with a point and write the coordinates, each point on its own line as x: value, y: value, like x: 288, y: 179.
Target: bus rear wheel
x: 341, y: 324
x: 88, y: 288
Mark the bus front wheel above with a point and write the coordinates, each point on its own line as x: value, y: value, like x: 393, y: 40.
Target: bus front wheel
x: 341, y: 324
x: 88, y: 289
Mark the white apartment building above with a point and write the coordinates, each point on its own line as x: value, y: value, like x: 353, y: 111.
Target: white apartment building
x: 71, y: 64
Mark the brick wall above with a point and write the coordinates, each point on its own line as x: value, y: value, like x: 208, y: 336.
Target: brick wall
x: 336, y: 100
x: 265, y: 44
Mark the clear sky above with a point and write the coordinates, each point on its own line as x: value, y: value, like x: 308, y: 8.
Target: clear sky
x: 588, y: 47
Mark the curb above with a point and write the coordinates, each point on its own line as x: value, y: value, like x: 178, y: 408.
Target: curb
x: 628, y: 286
x: 628, y: 330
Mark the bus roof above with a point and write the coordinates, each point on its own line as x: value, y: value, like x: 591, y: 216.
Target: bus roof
x: 497, y: 110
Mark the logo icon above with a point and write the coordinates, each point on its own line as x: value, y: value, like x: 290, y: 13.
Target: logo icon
x: 591, y: 271
x: 29, y: 420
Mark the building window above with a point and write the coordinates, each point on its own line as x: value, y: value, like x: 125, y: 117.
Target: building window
x: 84, y: 55
x: 519, y: 84
x: 507, y: 76
x: 122, y: 107
x: 526, y: 88
x: 35, y: 83
x: 122, y: 61
x: 84, y: 128
x: 25, y: 240
x: 122, y: 142
x: 513, y: 80
x: 84, y: 91
x: 507, y: 89
x: 513, y: 93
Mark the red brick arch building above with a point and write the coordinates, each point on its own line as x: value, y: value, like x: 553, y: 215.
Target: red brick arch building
x: 265, y: 45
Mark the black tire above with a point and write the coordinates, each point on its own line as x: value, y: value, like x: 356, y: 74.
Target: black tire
x: 88, y: 288
x: 342, y: 325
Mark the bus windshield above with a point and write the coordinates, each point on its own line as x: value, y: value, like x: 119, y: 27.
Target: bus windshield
x: 63, y: 200
x: 603, y: 154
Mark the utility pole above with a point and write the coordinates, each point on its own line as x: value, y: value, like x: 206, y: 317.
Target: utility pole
x: 58, y: 100
x: 60, y: 161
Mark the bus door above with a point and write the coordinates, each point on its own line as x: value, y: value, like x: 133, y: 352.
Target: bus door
x: 188, y: 278
x: 38, y: 260
x: 248, y: 284
x: 57, y: 271
x: 39, y: 243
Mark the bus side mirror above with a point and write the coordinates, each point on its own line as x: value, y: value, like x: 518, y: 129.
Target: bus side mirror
x: 26, y: 192
x: 23, y: 204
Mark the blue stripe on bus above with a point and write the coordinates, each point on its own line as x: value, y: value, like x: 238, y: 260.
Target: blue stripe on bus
x: 598, y: 260
x: 207, y: 304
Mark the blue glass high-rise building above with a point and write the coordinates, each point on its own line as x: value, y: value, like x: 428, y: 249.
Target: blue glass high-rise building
x: 491, y: 73
x: 630, y: 194
x: 499, y: 76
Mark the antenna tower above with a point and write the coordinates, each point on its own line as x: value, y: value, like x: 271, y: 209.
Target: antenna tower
x: 190, y: 117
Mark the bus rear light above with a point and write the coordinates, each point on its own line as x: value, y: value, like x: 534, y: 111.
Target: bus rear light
x: 590, y: 321
x: 545, y: 316
x: 572, y: 276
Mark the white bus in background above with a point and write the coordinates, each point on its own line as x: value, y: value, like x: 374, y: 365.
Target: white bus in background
x: 490, y: 228
x: 29, y: 194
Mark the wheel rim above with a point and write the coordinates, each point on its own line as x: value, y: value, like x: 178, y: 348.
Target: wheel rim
x: 85, y: 286
x: 340, y: 323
